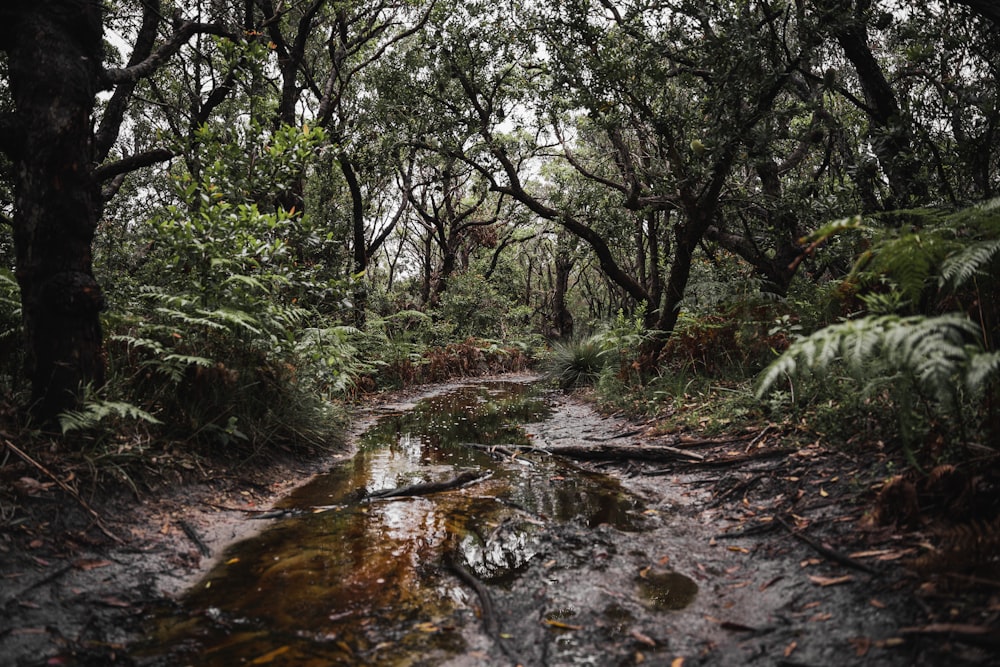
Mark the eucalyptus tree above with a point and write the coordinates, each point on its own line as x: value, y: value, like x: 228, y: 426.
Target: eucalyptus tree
x: 650, y: 103
x: 56, y: 66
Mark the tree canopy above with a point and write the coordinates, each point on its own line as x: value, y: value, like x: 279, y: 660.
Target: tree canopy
x: 200, y: 190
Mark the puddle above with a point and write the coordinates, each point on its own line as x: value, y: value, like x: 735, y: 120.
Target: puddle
x: 348, y: 579
x: 666, y: 590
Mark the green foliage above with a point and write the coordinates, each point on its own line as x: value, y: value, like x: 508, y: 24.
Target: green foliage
x: 575, y: 364
x: 923, y: 365
x: 229, y: 334
x: 93, y: 411
x: 10, y: 328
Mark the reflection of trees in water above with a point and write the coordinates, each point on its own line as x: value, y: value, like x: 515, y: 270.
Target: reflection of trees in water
x: 502, y: 552
x: 357, y: 566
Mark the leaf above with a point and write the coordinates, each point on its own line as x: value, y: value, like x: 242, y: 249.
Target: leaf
x: 643, y: 638
x: 562, y: 626
x: 830, y: 581
x: 87, y: 564
x: 270, y: 655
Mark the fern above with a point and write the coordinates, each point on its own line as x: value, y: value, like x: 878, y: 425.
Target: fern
x: 94, y: 411
x: 958, y: 268
x: 931, y: 351
x: 984, y: 367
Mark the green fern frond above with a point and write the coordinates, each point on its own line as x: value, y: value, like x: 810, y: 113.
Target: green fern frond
x: 139, y: 343
x: 983, y: 368
x: 958, y: 268
x: 95, y: 411
x: 933, y: 351
x: 190, y: 360
x: 833, y: 228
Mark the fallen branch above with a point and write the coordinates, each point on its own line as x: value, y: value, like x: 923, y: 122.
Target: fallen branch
x: 51, y: 576
x: 606, y: 452
x: 980, y: 635
x: 739, y: 487
x: 427, y: 488
x: 193, y: 535
x: 746, y: 458
x: 825, y: 551
x: 65, y: 487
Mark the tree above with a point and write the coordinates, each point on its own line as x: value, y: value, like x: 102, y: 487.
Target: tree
x: 55, y: 68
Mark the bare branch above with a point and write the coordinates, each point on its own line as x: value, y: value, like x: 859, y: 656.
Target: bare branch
x: 183, y: 31
x: 133, y: 162
x: 114, y: 112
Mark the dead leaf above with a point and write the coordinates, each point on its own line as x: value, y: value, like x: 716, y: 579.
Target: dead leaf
x: 677, y: 662
x: 824, y: 616
x: 891, y: 642
x: 551, y: 622
x: 765, y: 586
x: 643, y: 638
x: 87, y: 564
x: 878, y: 604
x: 270, y: 655
x: 742, y: 550
x: 810, y: 561
x: 790, y: 648
x: 112, y: 601
x: 830, y: 581
x: 861, y: 646
x: 426, y: 627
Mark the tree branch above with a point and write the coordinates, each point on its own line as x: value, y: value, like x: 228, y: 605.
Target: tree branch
x: 133, y: 162
x: 114, y: 112
x: 183, y: 31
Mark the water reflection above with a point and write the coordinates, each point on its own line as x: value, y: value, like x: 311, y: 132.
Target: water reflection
x: 354, y: 580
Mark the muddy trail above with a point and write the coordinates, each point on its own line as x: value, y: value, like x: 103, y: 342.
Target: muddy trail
x: 500, y: 523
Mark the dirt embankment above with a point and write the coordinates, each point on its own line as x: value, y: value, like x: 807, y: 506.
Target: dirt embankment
x: 751, y: 554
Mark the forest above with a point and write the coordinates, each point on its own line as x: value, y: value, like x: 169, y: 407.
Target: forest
x: 225, y: 222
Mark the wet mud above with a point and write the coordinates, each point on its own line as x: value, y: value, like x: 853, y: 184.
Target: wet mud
x: 527, y: 558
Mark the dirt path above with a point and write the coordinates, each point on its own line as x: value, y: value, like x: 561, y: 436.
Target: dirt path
x: 748, y: 554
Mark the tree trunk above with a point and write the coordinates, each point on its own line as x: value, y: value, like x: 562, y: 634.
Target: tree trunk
x: 54, y: 61
x: 890, y: 134
x: 562, y: 318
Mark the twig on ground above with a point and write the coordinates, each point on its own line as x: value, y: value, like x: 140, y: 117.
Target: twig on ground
x: 65, y: 487
x: 827, y: 552
x: 51, y: 576
x: 193, y: 535
x: 740, y: 487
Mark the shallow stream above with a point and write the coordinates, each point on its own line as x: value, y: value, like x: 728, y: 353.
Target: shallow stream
x: 346, y: 577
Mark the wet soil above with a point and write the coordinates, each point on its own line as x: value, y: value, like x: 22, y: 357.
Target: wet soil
x: 727, y: 551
